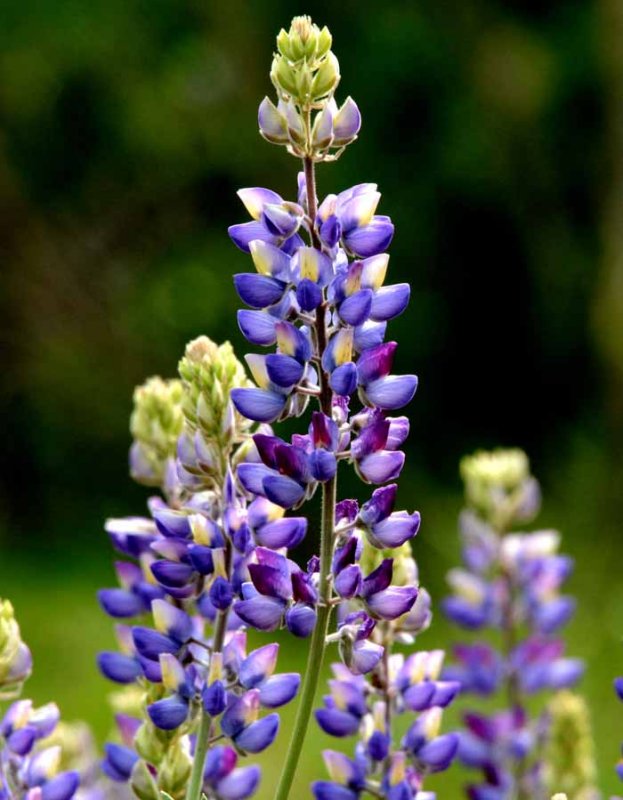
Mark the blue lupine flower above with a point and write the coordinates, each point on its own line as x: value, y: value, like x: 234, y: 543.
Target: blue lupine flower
x: 274, y: 220
x: 223, y: 780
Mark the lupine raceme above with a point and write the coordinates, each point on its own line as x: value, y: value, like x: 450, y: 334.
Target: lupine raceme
x: 510, y: 585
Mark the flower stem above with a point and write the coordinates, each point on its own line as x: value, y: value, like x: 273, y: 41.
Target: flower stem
x: 329, y: 491
x: 316, y: 648
x: 195, y: 785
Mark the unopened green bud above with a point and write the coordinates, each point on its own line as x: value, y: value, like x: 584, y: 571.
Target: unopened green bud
x: 405, y: 569
x: 283, y: 76
x: 174, y: 771
x: 151, y: 743
x: 155, y: 424
x: 142, y: 782
x: 304, y: 41
x: 209, y: 372
x: 15, y: 657
x: 569, y: 762
x: 326, y: 79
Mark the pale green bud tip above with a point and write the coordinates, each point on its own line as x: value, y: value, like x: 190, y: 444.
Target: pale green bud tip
x: 15, y: 657
x: 559, y: 797
x: 505, y: 469
x: 209, y: 373
x: 155, y: 424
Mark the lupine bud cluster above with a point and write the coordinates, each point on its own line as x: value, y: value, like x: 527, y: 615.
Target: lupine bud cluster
x: 305, y: 74
x: 30, y: 761
x: 155, y: 425
x: 15, y: 658
x: 509, y: 583
x: 569, y: 757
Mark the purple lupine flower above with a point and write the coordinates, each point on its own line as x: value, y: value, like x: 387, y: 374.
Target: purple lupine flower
x: 510, y: 582
x: 279, y: 593
x: 223, y: 780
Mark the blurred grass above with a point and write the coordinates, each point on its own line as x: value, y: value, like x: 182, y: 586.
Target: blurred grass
x: 53, y: 590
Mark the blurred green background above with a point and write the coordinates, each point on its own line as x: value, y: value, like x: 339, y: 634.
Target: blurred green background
x: 495, y: 131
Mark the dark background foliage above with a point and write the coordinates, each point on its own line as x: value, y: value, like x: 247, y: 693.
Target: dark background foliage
x: 494, y: 131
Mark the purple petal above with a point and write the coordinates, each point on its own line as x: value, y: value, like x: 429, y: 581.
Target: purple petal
x: 376, y: 363
x: 370, y: 334
x: 259, y: 735
x: 121, y: 759
x: 263, y: 613
x: 323, y: 465
x: 327, y: 790
x: 239, y: 784
x: 438, y: 754
x: 258, y: 291
x: 168, y: 714
x: 395, y: 530
x: 348, y: 581
x: 282, y: 491
x: 381, y: 467
x: 119, y: 667
x: 364, y: 657
x: 171, y: 573
x: 272, y: 123
x: 301, y: 620
x: 379, y: 506
x: 392, y: 602
x: 390, y: 302
x: 270, y: 581
x: 258, y: 404
x: 256, y: 197
x: 379, y: 579
x: 392, y: 392
x: 370, y: 239
x: 61, y: 787
x: 120, y: 603
x: 150, y: 644
x: 355, y: 310
x: 284, y: 370
x: 343, y: 379
x: 252, y: 477
x: 279, y: 689
x: 308, y: 295
x: 258, y: 666
x: 246, y: 232
x: 346, y: 123
x: 257, y: 327
x: 336, y: 722
x: 286, y: 532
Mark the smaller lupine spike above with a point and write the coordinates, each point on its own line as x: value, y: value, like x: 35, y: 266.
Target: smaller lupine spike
x: 510, y: 583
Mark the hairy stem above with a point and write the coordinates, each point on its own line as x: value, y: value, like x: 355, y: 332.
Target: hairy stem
x: 315, y: 656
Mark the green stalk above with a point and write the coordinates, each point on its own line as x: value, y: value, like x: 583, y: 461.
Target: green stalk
x: 315, y: 655
x: 204, y: 735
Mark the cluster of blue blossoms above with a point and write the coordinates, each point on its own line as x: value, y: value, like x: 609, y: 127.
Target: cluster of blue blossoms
x: 510, y: 584
x: 213, y: 558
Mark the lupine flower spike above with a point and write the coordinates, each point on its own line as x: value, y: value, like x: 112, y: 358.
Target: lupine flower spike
x: 30, y: 761
x: 511, y: 583
x: 318, y: 294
